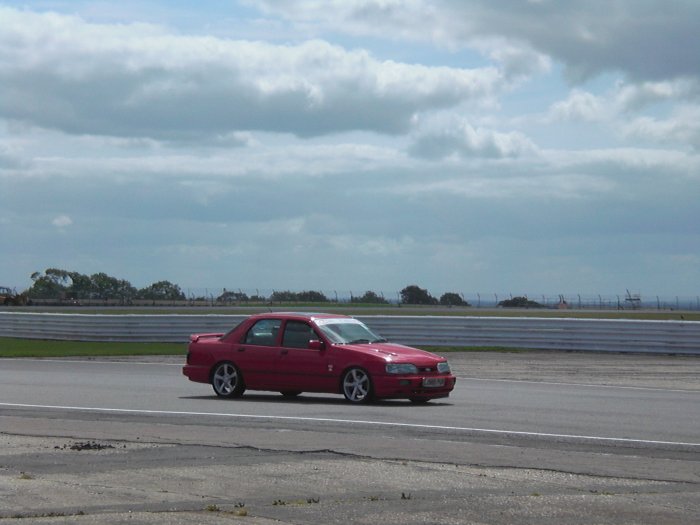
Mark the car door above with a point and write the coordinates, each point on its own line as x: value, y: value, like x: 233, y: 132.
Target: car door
x: 303, y: 368
x: 257, y: 355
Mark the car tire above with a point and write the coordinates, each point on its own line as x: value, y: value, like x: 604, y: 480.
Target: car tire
x: 290, y: 393
x: 227, y: 380
x: 356, y: 386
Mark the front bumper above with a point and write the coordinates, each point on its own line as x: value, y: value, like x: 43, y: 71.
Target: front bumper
x: 407, y: 386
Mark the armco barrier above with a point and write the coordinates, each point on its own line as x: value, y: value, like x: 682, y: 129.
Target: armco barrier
x: 602, y: 335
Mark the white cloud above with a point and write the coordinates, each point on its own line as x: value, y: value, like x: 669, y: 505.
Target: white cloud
x: 682, y: 127
x: 580, y: 105
x: 462, y: 139
x: 645, y: 39
x: 634, y: 97
x: 62, y: 221
x: 140, y: 81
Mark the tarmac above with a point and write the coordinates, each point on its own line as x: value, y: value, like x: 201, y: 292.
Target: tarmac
x: 58, y: 472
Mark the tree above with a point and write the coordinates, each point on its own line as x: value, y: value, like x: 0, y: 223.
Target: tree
x: 519, y: 302
x: 52, y: 284
x: 81, y: 287
x: 61, y: 284
x: 106, y: 287
x: 232, y: 297
x: 415, y: 295
x: 453, y: 299
x: 283, y: 297
x: 162, y: 291
x: 310, y: 296
x: 369, y: 298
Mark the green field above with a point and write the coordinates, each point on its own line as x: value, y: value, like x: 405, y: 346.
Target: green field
x: 38, y: 348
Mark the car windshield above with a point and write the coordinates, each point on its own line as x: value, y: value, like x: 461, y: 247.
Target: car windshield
x: 347, y: 331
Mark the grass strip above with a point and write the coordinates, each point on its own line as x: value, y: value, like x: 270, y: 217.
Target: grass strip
x: 10, y: 347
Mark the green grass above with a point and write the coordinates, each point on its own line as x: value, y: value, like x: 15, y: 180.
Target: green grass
x: 39, y: 348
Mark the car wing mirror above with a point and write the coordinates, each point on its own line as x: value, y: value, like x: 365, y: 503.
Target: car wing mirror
x: 316, y: 344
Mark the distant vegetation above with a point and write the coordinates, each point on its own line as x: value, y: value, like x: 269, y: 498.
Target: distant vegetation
x: 413, y: 294
x: 63, y: 286
x: 520, y: 302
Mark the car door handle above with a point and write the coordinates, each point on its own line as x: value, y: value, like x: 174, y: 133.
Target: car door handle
x: 284, y: 352
x: 241, y: 349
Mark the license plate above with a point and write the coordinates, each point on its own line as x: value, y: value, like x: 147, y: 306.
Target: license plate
x: 432, y: 382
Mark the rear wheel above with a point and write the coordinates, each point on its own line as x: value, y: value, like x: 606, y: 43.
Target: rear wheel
x: 227, y: 380
x: 357, y: 386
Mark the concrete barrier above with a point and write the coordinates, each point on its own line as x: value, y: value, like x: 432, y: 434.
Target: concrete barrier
x: 601, y: 335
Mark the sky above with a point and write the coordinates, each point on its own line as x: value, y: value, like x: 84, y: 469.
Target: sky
x: 470, y: 146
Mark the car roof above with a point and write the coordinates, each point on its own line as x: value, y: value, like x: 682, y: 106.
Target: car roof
x: 307, y: 316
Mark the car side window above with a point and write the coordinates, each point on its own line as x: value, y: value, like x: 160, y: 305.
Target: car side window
x: 263, y: 333
x: 297, y: 335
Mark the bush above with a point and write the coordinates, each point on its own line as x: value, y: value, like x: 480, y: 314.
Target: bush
x: 415, y: 295
x: 369, y: 298
x: 453, y: 299
x: 519, y: 302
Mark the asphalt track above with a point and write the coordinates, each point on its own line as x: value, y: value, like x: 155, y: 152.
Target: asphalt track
x: 524, y: 438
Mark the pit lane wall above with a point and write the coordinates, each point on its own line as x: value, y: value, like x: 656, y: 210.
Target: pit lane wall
x: 598, y: 335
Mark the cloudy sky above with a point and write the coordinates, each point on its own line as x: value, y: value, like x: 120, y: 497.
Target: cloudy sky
x: 519, y: 146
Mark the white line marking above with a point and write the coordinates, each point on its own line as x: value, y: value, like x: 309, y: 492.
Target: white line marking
x: 586, y: 385
x: 354, y: 422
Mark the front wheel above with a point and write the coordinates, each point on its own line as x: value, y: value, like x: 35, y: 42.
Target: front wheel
x: 357, y: 386
x: 227, y: 380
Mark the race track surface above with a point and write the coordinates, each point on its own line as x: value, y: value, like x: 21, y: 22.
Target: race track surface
x: 525, y: 438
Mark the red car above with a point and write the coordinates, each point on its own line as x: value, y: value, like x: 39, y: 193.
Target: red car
x: 293, y: 353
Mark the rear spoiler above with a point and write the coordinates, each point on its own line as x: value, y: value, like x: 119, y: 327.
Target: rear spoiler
x: 196, y: 337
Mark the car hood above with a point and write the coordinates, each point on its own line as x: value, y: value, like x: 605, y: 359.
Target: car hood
x: 394, y: 353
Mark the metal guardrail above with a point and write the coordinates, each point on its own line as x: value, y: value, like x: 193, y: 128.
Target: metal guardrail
x: 600, y: 335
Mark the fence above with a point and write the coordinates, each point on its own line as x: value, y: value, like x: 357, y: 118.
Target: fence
x: 209, y: 297
x: 601, y: 335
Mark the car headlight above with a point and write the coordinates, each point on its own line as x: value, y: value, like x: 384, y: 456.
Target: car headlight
x: 444, y: 367
x: 401, y: 368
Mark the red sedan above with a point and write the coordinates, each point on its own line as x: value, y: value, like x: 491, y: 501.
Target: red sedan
x: 293, y: 353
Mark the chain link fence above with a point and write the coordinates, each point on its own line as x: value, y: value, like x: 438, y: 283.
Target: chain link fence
x: 216, y: 297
